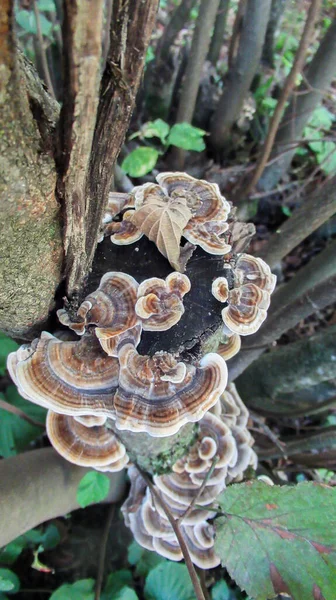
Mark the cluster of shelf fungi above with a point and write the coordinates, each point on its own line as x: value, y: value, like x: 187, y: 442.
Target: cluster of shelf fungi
x: 111, y: 382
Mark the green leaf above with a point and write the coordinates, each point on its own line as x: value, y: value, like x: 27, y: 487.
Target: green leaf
x: 275, y: 539
x: 184, y: 135
x: 286, y: 211
x: 321, y: 118
x: 150, y: 55
x: 326, y: 157
x: 126, y: 593
x: 48, y: 539
x: 94, y: 487
x: 6, y: 346
x: 80, y: 590
x: 9, y: 582
x: 145, y: 560
x: 116, y: 582
x: 169, y: 581
x: 47, y: 5
x: 12, y: 551
x: 16, y: 433
x: 26, y: 20
x: 140, y: 161
x: 157, y: 128
x: 221, y: 591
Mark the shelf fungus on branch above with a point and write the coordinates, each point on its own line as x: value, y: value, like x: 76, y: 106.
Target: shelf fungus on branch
x: 88, y: 445
x: 159, y: 395
x: 160, y: 301
x: 111, y: 309
x: 249, y: 299
x: 215, y: 459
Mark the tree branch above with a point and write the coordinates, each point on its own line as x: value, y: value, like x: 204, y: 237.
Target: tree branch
x: 40, y: 485
x: 313, y: 13
x: 313, y: 212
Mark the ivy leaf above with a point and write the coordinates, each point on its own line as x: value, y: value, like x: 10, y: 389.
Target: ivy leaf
x: 80, y: 590
x: 326, y: 157
x: 6, y: 346
x: 169, y: 581
x: 143, y: 559
x: 140, y: 161
x: 187, y: 137
x: 126, y: 593
x: 26, y: 20
x: 157, y: 128
x: 94, y: 487
x: 279, y: 539
x: 47, y: 5
x: 16, y: 433
x: 163, y: 223
x: 9, y: 582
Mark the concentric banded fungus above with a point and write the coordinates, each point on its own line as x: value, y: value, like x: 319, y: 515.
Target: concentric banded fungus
x: 217, y: 458
x: 123, y: 232
x: 151, y: 396
x: 95, y: 447
x: 160, y: 302
x: 230, y: 347
x: 112, y: 309
x: 117, y: 202
x: 71, y: 378
x: 249, y: 299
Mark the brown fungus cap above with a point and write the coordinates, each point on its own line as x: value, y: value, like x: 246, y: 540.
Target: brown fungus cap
x: 151, y: 398
x: 73, y: 378
x: 249, y: 299
x: 160, y: 301
x: 95, y: 447
x: 222, y: 437
x: 111, y: 308
x: 230, y: 347
x: 123, y: 232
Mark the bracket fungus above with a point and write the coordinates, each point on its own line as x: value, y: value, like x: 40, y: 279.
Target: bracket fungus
x: 112, y: 396
x: 111, y: 308
x: 91, y: 445
x: 215, y: 459
x: 158, y: 395
x: 160, y: 302
x: 249, y: 299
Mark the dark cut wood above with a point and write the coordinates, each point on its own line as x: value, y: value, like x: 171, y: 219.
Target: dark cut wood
x: 202, y: 315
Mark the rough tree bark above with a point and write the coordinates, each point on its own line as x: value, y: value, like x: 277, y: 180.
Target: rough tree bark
x: 317, y: 79
x: 238, y: 80
x: 131, y: 26
x: 219, y: 31
x: 30, y: 229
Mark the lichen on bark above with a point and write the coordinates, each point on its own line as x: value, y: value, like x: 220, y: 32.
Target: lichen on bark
x: 30, y: 226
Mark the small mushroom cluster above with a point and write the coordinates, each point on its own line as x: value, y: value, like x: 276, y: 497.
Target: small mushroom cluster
x: 221, y: 454
x: 99, y: 386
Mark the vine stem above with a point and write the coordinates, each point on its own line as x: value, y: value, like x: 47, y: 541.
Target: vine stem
x: 176, y: 528
x: 199, y: 493
x: 20, y: 413
x: 102, y: 554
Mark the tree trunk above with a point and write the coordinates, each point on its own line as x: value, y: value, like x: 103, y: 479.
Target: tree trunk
x: 30, y: 230
x: 238, y: 80
x: 317, y: 79
x: 319, y: 206
x: 219, y: 31
x: 277, y: 11
x: 289, y: 369
x: 199, y: 49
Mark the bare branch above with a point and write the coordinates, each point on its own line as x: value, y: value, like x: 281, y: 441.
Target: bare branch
x: 43, y: 55
x: 297, y: 67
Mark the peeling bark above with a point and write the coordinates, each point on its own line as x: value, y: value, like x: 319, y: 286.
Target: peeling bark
x: 30, y: 229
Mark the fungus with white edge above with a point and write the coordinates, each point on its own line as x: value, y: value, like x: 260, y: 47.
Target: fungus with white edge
x: 160, y: 302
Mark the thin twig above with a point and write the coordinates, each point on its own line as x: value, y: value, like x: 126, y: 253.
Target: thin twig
x: 288, y: 88
x: 268, y: 432
x: 200, y: 491
x: 176, y: 528
x: 102, y: 555
x: 44, y: 61
x: 19, y: 413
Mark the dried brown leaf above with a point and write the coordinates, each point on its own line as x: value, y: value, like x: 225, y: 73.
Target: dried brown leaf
x: 163, y: 221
